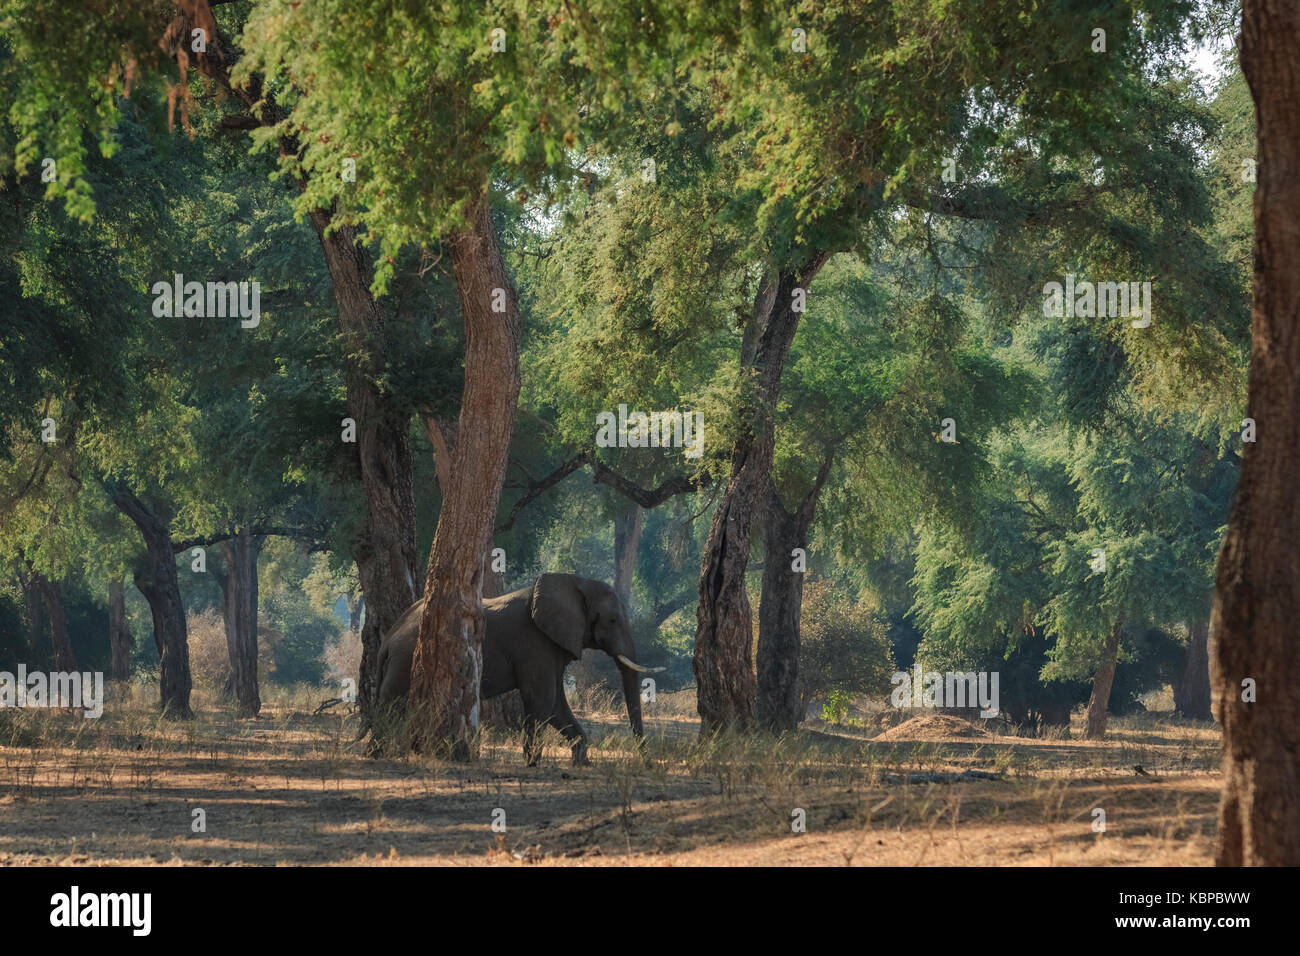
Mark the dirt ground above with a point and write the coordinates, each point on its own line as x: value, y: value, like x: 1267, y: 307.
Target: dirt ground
x: 292, y: 788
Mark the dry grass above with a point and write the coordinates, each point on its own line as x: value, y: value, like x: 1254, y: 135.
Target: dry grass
x: 291, y: 787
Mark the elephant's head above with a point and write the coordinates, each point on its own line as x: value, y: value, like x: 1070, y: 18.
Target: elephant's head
x: 579, y: 613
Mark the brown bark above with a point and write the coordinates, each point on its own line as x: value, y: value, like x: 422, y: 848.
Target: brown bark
x: 1192, y: 690
x: 385, y: 546
x: 441, y: 454
x: 780, y: 701
x: 64, y: 659
x: 241, y: 618
x: 494, y: 582
x: 627, y: 537
x: 724, y: 625
x: 505, y: 710
x: 1257, y: 604
x: 1099, y: 702
x: 155, y: 577
x: 447, y: 667
x: 119, y: 638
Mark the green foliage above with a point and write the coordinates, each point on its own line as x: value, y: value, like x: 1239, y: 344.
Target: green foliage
x: 1074, y: 435
x: 836, y: 707
x: 13, y: 636
x: 295, y: 627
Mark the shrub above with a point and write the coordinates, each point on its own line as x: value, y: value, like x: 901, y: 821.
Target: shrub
x: 209, y: 656
x: 343, y: 656
x: 844, y: 647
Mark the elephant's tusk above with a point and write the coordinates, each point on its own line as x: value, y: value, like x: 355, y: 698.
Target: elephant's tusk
x: 637, y: 667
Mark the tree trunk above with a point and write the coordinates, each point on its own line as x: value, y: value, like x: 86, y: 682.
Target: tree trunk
x: 1099, y: 702
x: 241, y: 618
x: 155, y: 577
x: 230, y: 620
x: 1253, y: 625
x: 505, y: 710
x: 1192, y: 691
x: 780, y: 700
x: 778, y: 623
x: 35, y: 603
x: 385, y: 546
x: 724, y: 625
x: 64, y: 659
x: 627, y: 537
x: 119, y: 638
x: 447, y: 667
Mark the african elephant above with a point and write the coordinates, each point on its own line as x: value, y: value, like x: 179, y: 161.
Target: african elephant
x: 532, y: 635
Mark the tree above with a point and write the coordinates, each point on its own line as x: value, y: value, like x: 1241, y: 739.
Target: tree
x: 473, y: 115
x: 134, y: 52
x: 1082, y: 543
x: 1258, y: 588
x: 822, y: 168
x: 866, y: 394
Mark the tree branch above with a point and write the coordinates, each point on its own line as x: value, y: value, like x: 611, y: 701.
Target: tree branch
x: 538, y: 488
x: 645, y: 497
x: 300, y: 534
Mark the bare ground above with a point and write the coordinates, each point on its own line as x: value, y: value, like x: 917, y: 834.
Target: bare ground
x: 291, y: 788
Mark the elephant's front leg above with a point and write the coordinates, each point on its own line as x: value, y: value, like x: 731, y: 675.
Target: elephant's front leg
x: 564, y: 721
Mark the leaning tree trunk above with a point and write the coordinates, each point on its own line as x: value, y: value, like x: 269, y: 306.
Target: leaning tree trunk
x: 155, y: 577
x: 241, y: 618
x: 723, y: 661
x: 64, y: 659
x: 1102, y: 681
x: 447, y: 666
x: 385, y: 546
x: 505, y: 711
x: 119, y: 638
x: 1255, y: 655
x: 1192, y: 689
x: 780, y: 701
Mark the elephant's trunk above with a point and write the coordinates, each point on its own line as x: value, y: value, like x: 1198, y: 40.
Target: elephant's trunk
x: 632, y: 694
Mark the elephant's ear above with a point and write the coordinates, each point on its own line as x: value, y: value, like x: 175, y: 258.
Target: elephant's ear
x: 560, y: 611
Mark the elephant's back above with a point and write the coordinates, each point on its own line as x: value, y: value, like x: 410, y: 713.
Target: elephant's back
x: 506, y: 600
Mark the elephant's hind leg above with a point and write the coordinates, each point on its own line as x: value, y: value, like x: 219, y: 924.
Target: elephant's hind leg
x: 538, y: 706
